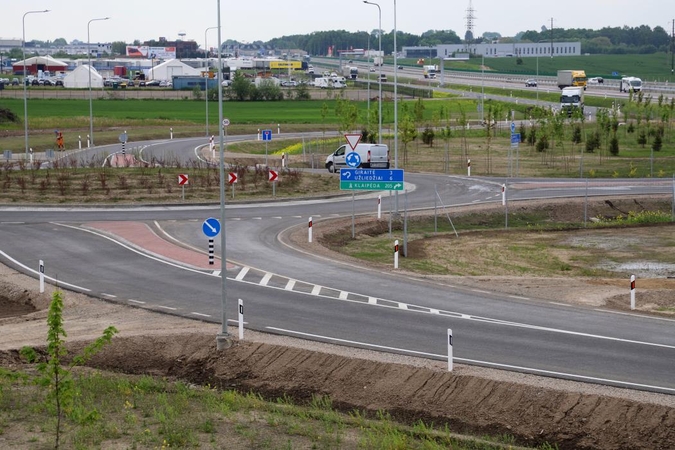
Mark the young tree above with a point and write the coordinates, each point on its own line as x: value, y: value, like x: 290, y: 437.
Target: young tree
x: 59, y: 380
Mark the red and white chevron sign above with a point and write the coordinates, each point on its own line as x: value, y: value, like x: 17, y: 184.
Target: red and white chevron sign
x: 182, y: 179
x: 232, y: 177
x: 273, y: 175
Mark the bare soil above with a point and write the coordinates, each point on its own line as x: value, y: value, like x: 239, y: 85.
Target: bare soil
x: 470, y: 399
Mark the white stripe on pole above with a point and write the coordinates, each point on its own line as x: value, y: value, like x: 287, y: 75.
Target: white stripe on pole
x: 503, y: 194
x: 396, y: 254
x: 41, y: 269
x: 449, y: 350
x: 379, y: 206
x: 241, y: 320
x: 309, y: 229
x: 632, y: 292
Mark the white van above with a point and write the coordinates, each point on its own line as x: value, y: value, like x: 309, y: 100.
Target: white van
x: 373, y: 156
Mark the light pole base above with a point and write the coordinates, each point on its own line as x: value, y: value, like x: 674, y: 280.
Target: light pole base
x: 223, y: 341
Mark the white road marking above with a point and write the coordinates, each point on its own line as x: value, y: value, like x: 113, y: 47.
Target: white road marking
x: 59, y: 282
x: 108, y: 295
x: 316, y: 289
x: 290, y: 285
x: 481, y: 292
x: 266, y: 279
x: 167, y: 307
x: 473, y: 361
x: 344, y: 295
x: 136, y: 301
x: 200, y: 314
x: 216, y: 273
x: 402, y: 306
x: 518, y: 297
x: 372, y: 301
x: 242, y: 273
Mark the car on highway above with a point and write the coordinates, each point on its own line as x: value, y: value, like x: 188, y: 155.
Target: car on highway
x: 289, y: 83
x: 400, y: 67
x: 372, y: 69
x: 531, y: 83
x: 596, y: 80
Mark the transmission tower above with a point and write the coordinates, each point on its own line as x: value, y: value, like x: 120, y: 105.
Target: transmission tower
x: 470, y: 18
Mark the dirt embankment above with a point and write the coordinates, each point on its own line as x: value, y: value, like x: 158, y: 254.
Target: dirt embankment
x: 470, y: 400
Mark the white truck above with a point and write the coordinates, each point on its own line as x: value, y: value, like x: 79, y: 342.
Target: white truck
x: 372, y: 156
x: 629, y: 84
x: 377, y: 60
x: 430, y: 71
x: 572, y: 99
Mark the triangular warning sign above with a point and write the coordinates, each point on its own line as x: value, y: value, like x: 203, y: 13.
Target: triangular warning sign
x: 353, y: 140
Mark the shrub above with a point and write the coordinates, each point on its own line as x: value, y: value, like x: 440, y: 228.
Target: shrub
x: 614, y: 146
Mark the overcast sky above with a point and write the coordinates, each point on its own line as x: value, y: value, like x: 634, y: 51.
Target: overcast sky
x: 248, y: 21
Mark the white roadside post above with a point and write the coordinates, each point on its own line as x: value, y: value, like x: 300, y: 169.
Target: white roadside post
x: 79, y: 142
x: 503, y: 194
x: 379, y: 206
x: 241, y: 320
x: 449, y: 350
x: 88, y: 141
x: 632, y: 292
x: 213, y: 147
x: 309, y: 230
x: 468, y: 167
x: 278, y: 128
x: 171, y: 133
x: 396, y: 254
x: 41, y: 269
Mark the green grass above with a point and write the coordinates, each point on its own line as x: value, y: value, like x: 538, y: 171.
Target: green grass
x: 145, y: 412
x: 655, y: 67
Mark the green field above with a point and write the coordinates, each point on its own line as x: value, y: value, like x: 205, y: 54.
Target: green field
x: 655, y: 67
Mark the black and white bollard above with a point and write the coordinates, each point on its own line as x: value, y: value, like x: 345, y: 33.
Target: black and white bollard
x: 171, y: 133
x: 449, y: 350
x: 309, y: 230
x: 632, y: 292
x: 468, y: 167
x: 41, y: 269
x: 211, y: 252
x: 379, y: 206
x: 241, y: 320
x: 396, y: 254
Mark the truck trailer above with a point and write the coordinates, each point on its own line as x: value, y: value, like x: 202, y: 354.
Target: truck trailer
x: 572, y: 78
x: 430, y: 71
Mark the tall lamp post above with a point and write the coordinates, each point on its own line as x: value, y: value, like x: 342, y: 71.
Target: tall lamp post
x: 25, y: 99
x: 395, y: 105
x: 379, y: 75
x: 91, y: 105
x: 206, y: 87
x: 223, y: 339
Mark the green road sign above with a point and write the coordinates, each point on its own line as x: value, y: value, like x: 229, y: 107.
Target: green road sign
x: 371, y: 185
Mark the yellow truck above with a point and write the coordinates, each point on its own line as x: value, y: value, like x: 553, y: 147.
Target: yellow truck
x: 572, y: 78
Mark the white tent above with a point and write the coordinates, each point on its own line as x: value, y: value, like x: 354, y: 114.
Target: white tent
x: 79, y: 78
x: 169, y: 69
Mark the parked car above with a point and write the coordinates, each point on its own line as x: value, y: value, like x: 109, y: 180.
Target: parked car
x: 291, y: 83
x: 372, y: 69
x: 58, y: 83
x: 226, y: 83
x: 531, y: 83
x: 15, y: 81
x: 35, y: 82
x: 152, y: 83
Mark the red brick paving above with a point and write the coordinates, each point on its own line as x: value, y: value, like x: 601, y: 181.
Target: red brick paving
x: 142, y: 236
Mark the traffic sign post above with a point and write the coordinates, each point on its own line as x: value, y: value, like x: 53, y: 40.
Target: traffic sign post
x: 232, y: 179
x: 353, y: 140
x: 41, y: 269
x: 266, y: 136
x: 353, y: 159
x: 272, y: 177
x: 211, y: 227
x: 371, y: 179
x: 182, y: 181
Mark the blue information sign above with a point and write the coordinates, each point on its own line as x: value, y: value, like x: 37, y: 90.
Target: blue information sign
x: 266, y: 135
x: 513, y: 127
x: 371, y: 175
x: 353, y: 159
x: 211, y: 227
x: 515, y: 138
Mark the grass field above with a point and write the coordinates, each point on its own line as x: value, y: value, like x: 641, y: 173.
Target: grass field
x: 655, y: 67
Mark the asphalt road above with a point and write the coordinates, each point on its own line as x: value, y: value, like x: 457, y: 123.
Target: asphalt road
x: 303, y: 294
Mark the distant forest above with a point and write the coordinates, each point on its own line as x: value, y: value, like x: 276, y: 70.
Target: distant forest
x: 615, y: 40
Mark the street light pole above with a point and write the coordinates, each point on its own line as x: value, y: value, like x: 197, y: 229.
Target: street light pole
x: 91, y: 106
x: 25, y: 99
x: 206, y: 88
x: 379, y: 75
x: 223, y: 339
x: 395, y: 105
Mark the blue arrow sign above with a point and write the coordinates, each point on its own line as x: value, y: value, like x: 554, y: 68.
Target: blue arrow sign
x: 353, y: 159
x: 371, y: 175
x: 513, y: 127
x: 211, y: 227
x: 266, y: 135
x: 515, y: 138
